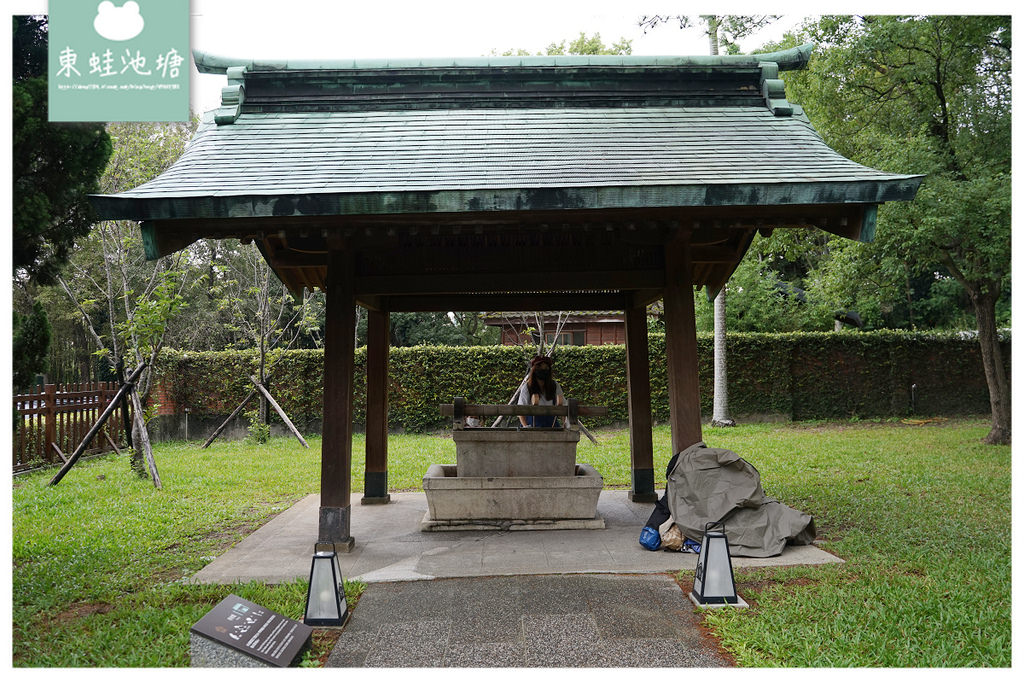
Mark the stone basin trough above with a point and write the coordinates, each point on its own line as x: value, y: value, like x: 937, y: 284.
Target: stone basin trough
x: 513, y: 478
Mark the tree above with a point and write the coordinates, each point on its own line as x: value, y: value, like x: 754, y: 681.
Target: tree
x: 126, y: 302
x: 412, y: 329
x: 31, y: 342
x: 474, y: 330
x: 593, y: 45
x: 929, y: 95
x: 721, y: 31
x: 581, y: 45
x: 54, y: 167
x: 262, y: 311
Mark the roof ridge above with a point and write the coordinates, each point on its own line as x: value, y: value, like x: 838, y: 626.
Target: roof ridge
x: 788, y: 59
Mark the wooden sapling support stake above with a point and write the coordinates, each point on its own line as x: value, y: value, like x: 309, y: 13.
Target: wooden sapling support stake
x: 112, y: 444
x: 280, y: 411
x: 232, y: 416
x: 104, y: 416
x: 587, y: 433
x: 56, y: 449
x: 515, y: 397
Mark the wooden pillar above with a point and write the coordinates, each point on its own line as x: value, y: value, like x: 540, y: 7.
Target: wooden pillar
x: 681, y: 344
x: 638, y: 383
x: 336, y: 456
x: 378, y: 333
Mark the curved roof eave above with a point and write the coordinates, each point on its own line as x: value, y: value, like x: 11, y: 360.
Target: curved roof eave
x: 252, y: 205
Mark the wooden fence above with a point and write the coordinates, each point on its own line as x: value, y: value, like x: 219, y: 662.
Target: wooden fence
x: 60, y: 415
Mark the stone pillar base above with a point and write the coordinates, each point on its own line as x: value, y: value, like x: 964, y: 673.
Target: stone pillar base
x: 335, y: 529
x: 642, y: 490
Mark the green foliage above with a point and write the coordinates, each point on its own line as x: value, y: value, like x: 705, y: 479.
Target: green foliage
x: 153, y: 311
x: 581, y: 45
x: 817, y: 375
x: 929, y: 95
x: 415, y: 329
x: 763, y: 297
x: 31, y: 345
x: 592, y: 45
x: 121, y: 303
x: 259, y: 432
x: 55, y: 165
x: 29, y: 45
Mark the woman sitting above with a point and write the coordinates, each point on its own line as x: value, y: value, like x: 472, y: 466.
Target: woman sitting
x: 540, y: 390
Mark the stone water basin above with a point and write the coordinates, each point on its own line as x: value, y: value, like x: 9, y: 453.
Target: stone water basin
x: 513, y: 479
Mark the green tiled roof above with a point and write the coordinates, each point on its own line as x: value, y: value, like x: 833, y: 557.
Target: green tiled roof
x: 480, y: 159
x: 502, y: 134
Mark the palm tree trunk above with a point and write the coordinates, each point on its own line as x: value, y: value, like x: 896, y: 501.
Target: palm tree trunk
x: 720, y: 414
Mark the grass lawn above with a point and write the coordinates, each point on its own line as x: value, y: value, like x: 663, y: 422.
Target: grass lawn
x: 921, y: 514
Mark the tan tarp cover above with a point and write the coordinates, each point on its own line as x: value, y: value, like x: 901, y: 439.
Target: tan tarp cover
x: 715, y: 484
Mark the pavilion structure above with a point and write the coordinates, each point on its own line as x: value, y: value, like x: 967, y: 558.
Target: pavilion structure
x: 503, y: 183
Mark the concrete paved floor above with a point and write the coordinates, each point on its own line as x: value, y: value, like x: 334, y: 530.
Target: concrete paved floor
x: 390, y: 547
x: 550, y: 598
x: 533, y: 621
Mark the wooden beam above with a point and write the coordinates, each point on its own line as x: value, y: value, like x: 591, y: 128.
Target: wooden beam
x: 478, y: 409
x: 643, y: 298
x: 715, y: 254
x: 372, y: 303
x: 510, y: 302
x: 378, y: 332
x: 638, y: 388
x: 336, y: 457
x: 456, y: 283
x: 681, y: 345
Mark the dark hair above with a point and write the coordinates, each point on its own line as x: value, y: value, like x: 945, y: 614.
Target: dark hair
x: 550, y: 390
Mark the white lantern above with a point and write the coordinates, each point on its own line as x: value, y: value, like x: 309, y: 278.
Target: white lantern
x: 713, y: 582
x: 325, y: 600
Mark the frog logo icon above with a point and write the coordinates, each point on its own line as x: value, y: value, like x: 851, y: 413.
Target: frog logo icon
x: 118, y: 23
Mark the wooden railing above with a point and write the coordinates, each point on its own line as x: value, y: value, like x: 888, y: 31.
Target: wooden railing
x: 53, y: 420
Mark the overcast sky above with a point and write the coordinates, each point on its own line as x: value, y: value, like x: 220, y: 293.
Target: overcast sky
x: 254, y: 29
x: 452, y: 28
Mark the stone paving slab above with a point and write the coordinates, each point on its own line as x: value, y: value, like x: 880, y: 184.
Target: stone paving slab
x: 389, y: 546
x: 630, y: 621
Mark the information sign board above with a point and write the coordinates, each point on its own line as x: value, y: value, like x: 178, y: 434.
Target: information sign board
x: 254, y: 630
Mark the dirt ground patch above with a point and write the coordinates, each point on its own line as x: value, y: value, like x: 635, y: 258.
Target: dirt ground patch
x: 84, y: 609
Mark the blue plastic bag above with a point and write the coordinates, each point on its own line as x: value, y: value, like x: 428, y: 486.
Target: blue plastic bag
x: 650, y: 538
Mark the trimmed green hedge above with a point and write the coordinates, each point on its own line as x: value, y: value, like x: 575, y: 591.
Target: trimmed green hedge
x: 798, y: 376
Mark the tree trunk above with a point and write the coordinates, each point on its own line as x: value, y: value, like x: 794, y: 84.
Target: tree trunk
x: 262, y: 378
x: 995, y: 371
x: 143, y: 442
x: 720, y: 400
x: 713, y: 34
x: 720, y: 414
x: 135, y: 459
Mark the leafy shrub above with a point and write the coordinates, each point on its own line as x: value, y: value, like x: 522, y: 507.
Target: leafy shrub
x: 800, y: 376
